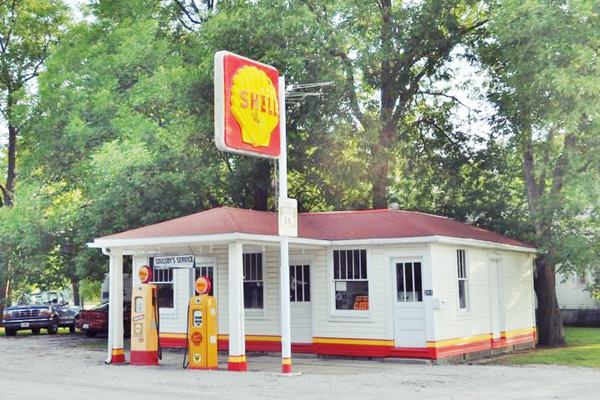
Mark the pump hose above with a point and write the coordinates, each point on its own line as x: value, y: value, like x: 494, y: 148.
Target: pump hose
x: 157, y: 319
x: 186, y: 362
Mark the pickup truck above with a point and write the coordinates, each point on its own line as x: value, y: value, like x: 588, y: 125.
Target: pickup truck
x: 45, y: 310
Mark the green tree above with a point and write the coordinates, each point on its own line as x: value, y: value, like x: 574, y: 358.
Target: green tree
x: 28, y: 28
x: 390, y: 52
x: 545, y: 83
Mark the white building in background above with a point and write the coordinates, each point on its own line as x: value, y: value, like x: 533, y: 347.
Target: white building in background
x: 577, y: 306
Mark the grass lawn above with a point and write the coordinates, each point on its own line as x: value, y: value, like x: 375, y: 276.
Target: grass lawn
x: 583, y: 350
x: 28, y: 331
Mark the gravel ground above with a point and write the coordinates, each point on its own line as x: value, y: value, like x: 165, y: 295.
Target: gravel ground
x: 71, y: 366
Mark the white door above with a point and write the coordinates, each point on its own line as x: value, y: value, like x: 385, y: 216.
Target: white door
x: 409, y: 310
x: 496, y: 290
x: 300, y: 303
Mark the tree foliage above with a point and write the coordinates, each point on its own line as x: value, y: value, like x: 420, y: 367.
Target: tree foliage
x: 545, y: 80
x: 28, y: 29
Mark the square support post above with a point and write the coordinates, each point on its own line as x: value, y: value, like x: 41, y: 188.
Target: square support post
x: 116, y: 353
x: 237, y: 334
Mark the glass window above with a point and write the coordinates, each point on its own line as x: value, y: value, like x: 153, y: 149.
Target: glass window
x: 463, y: 279
x: 409, y: 282
x: 163, y: 279
x: 351, y: 286
x: 208, y: 271
x: 299, y: 283
x: 253, y: 281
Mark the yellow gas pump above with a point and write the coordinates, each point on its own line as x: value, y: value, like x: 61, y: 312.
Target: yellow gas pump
x: 201, y: 342
x: 145, y: 322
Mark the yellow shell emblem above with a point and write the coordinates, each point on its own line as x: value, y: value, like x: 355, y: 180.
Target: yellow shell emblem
x: 254, y: 105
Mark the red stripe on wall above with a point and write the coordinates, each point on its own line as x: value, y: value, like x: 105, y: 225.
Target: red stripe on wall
x: 174, y: 343
x: 357, y: 350
x: 518, y: 339
x: 456, y: 350
x: 353, y: 350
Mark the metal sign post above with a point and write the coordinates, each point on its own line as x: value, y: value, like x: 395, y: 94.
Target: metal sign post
x: 250, y: 120
x: 287, y: 225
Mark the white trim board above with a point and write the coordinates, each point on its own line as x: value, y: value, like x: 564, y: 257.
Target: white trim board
x: 254, y: 238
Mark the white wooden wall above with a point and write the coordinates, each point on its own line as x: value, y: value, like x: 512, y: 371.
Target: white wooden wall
x: 439, y: 274
x: 450, y: 322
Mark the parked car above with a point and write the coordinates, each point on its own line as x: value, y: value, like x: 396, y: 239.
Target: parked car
x: 45, y: 310
x: 95, y: 320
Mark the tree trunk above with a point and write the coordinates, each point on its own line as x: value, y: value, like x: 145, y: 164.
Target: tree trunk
x: 3, y: 299
x: 8, y: 292
x: 260, y: 186
x: 11, y: 167
x: 12, y: 153
x: 379, y: 176
x: 380, y: 162
x: 75, y: 287
x: 549, y: 321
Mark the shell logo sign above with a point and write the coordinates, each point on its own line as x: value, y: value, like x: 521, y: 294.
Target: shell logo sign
x: 246, y: 106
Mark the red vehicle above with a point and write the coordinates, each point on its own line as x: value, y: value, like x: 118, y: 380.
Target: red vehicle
x: 95, y: 320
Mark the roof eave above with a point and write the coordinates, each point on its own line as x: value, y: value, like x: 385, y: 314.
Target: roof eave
x: 434, y: 239
x: 199, y: 239
x: 261, y: 239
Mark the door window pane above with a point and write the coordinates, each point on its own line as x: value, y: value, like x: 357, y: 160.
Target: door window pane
x: 400, y: 290
x: 418, y: 282
x: 409, y: 282
x: 299, y: 283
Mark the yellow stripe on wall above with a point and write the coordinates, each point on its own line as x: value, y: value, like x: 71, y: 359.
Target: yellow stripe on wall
x: 172, y: 335
x: 256, y: 338
x: 518, y: 332
x: 366, y: 342
x: 458, y: 341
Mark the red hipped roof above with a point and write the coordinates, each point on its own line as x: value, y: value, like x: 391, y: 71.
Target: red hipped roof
x: 335, y: 225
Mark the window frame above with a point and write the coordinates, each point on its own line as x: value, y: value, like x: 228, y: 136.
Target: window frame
x: 353, y: 315
x: 466, y: 279
x: 166, y: 311
x: 257, y: 313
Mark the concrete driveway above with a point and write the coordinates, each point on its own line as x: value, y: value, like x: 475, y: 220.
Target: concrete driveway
x: 72, y: 367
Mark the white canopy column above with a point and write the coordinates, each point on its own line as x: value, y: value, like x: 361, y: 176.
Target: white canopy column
x: 237, y: 334
x: 116, y: 353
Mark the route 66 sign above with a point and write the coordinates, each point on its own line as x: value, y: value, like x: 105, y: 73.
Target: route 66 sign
x: 288, y: 217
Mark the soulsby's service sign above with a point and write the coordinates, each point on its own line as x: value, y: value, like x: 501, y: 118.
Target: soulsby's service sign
x: 246, y: 106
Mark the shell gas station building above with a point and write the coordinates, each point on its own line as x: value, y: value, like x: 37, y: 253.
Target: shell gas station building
x: 373, y: 283
x: 379, y: 283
